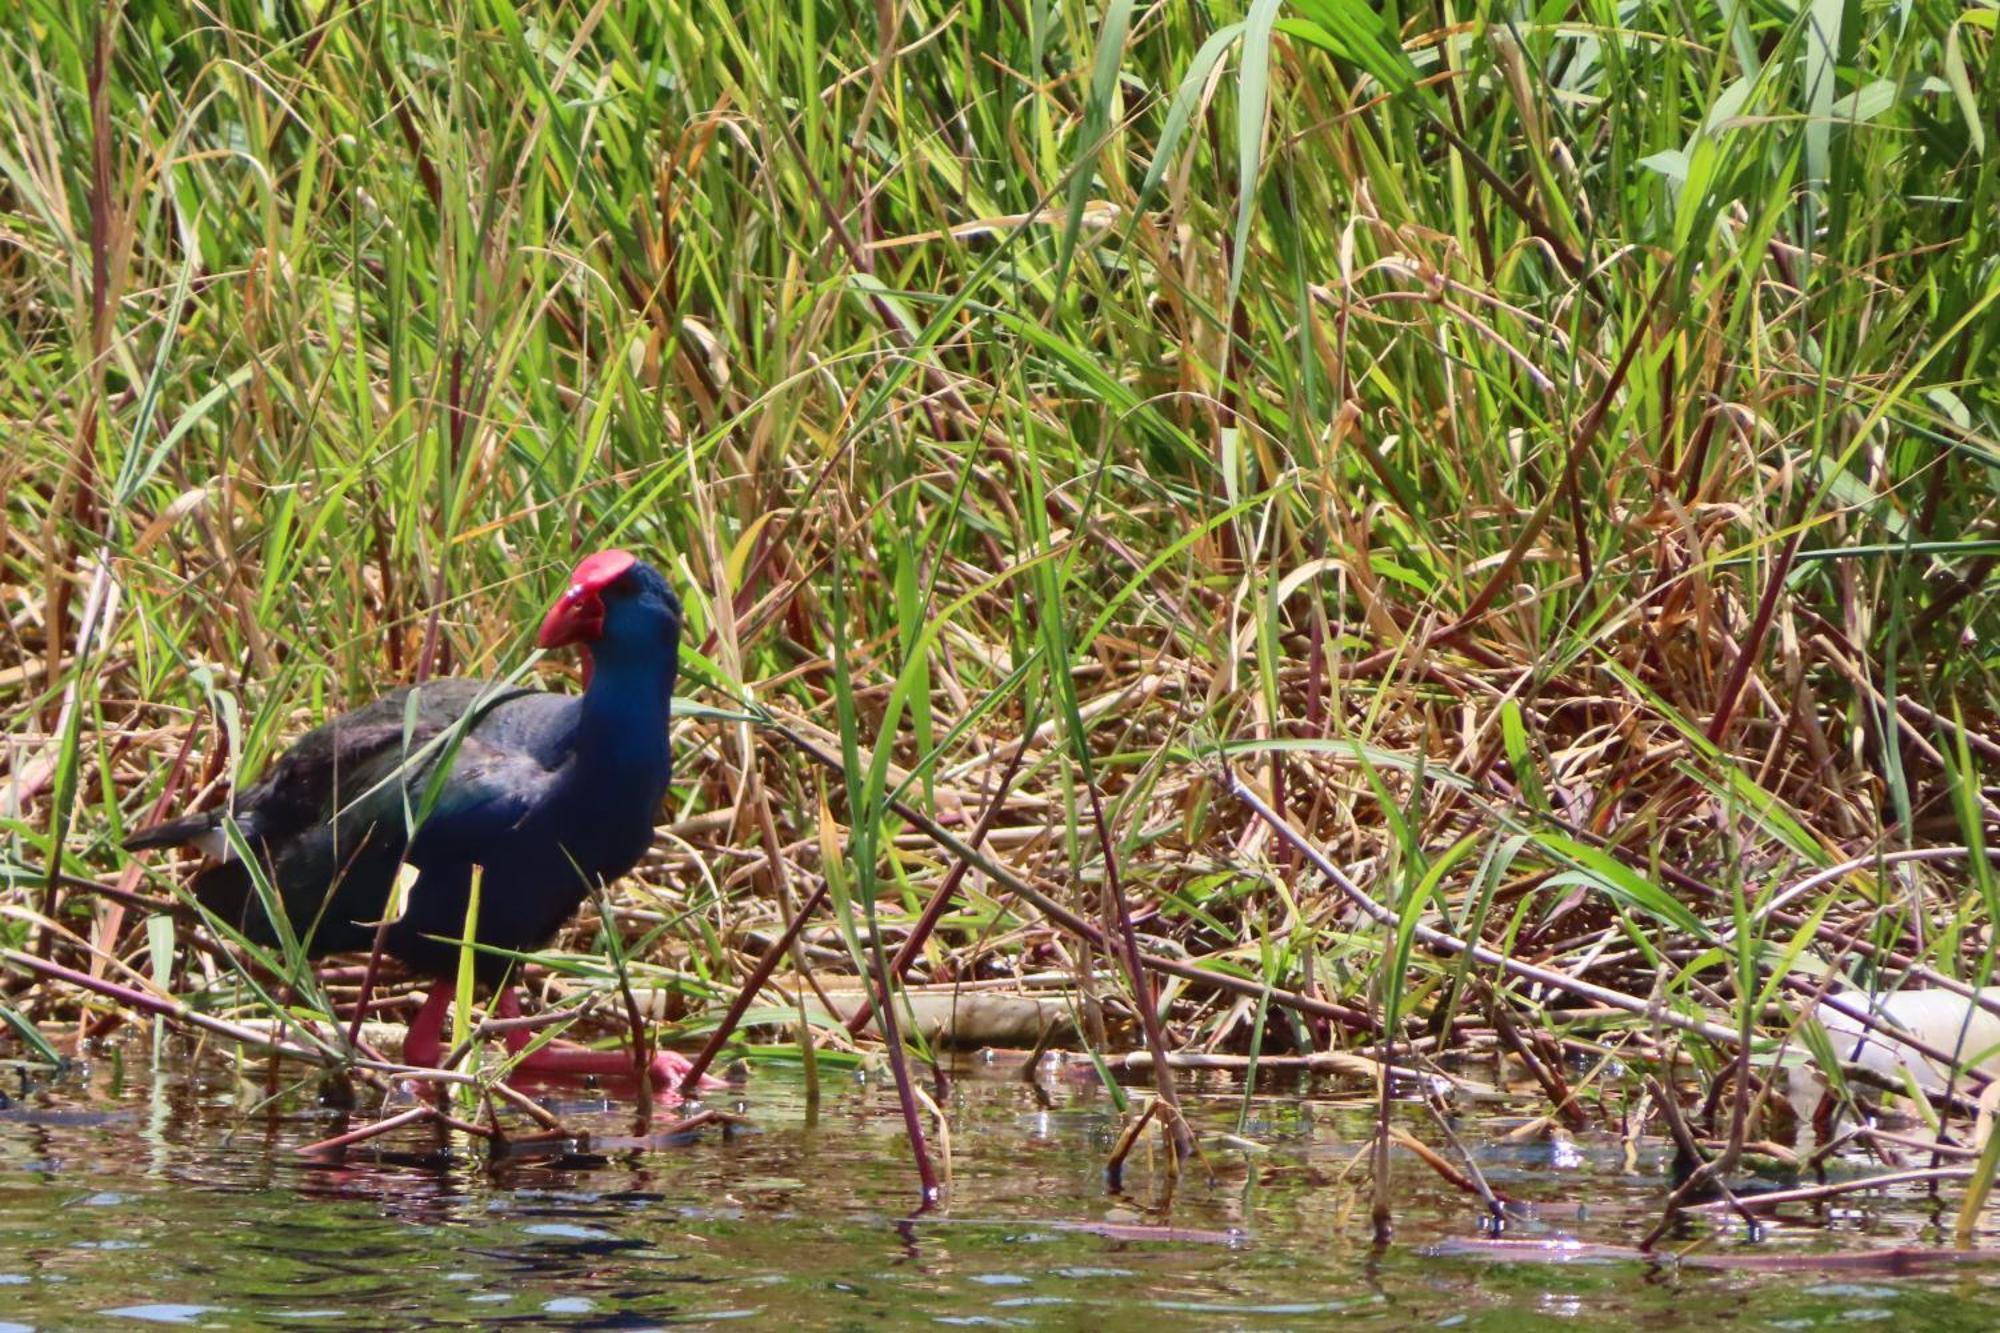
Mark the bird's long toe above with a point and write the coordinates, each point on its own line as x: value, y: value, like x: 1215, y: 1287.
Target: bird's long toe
x: 670, y: 1069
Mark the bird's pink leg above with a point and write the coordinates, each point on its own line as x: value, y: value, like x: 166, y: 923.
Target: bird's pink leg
x: 562, y: 1059
x: 423, y: 1044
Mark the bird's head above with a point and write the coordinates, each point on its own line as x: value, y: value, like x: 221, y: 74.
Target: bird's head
x: 616, y: 604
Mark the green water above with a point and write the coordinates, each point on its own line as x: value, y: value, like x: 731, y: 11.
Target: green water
x: 137, y: 1192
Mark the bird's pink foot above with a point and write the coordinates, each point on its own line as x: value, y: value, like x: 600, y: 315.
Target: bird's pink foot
x: 670, y: 1068
x: 562, y: 1059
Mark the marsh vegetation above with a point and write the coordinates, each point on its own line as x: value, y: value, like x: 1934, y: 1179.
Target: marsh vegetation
x: 1296, y: 531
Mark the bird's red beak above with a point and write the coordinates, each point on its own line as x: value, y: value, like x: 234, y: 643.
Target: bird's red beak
x: 578, y: 615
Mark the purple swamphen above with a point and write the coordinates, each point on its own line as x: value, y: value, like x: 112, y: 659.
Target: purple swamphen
x: 548, y: 793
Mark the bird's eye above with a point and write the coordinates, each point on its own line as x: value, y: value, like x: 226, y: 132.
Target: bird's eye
x: 623, y: 586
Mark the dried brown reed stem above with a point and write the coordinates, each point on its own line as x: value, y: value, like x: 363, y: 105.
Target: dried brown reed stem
x: 1544, y: 1072
x: 929, y: 1190
x: 1136, y: 976
x: 1900, y: 1261
x: 424, y: 1113
x: 1463, y: 1181
x: 1704, y: 1176
x: 942, y: 899
x: 1494, y: 1200
x: 752, y: 984
x: 386, y: 1125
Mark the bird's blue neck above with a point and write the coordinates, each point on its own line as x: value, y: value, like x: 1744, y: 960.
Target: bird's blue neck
x: 622, y: 725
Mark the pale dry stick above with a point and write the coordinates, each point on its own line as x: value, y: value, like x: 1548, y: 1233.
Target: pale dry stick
x: 1940, y: 1099
x: 180, y: 911
x: 132, y: 994
x: 1768, y: 1149
x: 1885, y: 960
x: 1319, y: 1062
x: 63, y: 934
x: 184, y: 914
x: 1911, y: 736
x: 1480, y: 953
x: 1916, y: 970
x: 1843, y: 654
x: 527, y: 1105
x: 490, y: 1133
x: 486, y: 1027
x: 1832, y: 1146
x: 497, y: 1027
x: 1496, y: 1202
x: 521, y: 1101
x: 560, y: 1019
x: 1876, y: 1135
x: 284, y: 1022
x: 1815, y: 1193
x: 1905, y: 1261
x: 1915, y: 712
x: 1848, y: 867
x: 1879, y: 1025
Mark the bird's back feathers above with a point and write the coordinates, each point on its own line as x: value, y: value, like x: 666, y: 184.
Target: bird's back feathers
x: 547, y: 793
